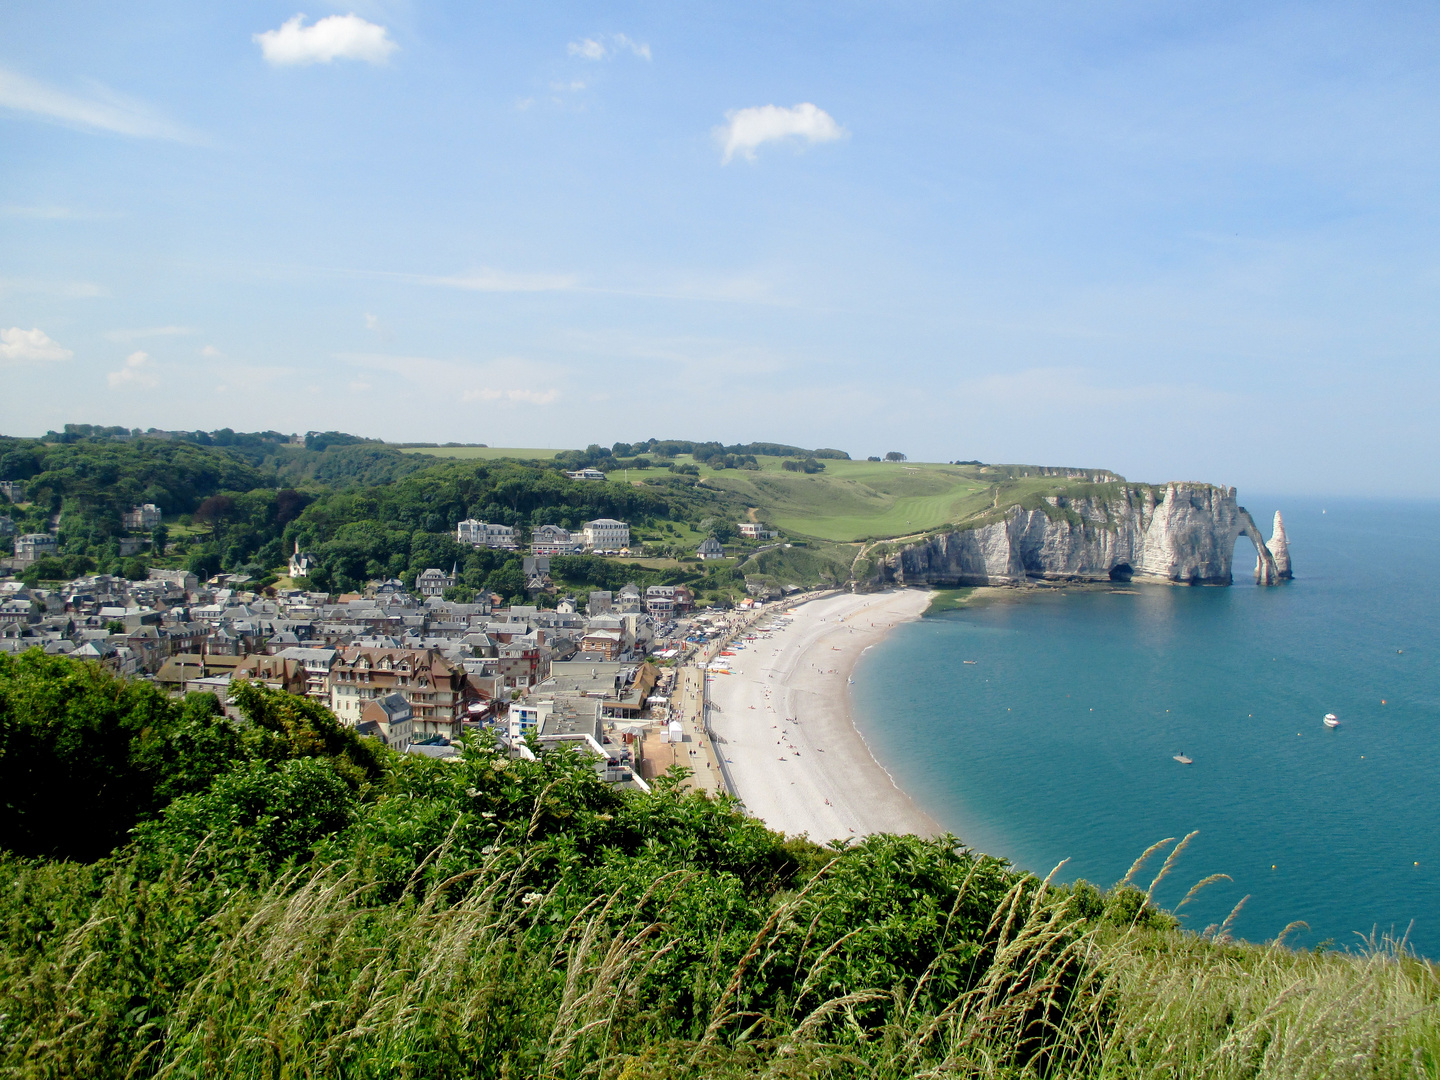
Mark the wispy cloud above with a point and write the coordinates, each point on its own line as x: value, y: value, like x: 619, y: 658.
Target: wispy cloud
x: 30, y: 346
x: 1067, y: 388
x: 507, y: 380
x: 101, y: 110
x: 139, y: 370
x: 337, y: 37
x: 48, y: 213
x: 531, y: 397
x: 149, y: 332
x: 75, y: 290
x: 497, y: 281
x: 746, y: 129
x: 607, y: 47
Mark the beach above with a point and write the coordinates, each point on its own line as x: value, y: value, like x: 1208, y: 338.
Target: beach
x: 782, y: 720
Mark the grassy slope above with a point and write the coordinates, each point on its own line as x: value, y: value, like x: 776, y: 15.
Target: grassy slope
x: 851, y: 500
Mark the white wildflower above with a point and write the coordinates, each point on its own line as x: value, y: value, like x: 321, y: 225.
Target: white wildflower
x: 530, y: 898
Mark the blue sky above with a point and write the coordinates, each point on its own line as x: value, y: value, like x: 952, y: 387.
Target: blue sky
x: 1184, y: 241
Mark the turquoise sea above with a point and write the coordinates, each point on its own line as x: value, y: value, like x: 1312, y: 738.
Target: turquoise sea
x: 1057, y: 741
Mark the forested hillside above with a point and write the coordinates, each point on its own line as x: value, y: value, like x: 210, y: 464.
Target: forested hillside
x: 240, y: 503
x: 186, y: 896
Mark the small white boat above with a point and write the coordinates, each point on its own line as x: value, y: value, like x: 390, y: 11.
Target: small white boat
x: 1331, y: 720
x: 1183, y: 760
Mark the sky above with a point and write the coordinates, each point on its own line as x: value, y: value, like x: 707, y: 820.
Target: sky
x: 1181, y: 241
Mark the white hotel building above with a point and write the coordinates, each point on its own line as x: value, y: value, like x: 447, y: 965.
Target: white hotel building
x: 485, y: 534
x: 607, y: 534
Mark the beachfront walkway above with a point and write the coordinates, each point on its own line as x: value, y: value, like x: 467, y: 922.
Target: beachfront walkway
x: 696, y: 752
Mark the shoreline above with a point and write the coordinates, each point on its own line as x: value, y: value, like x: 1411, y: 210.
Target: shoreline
x: 784, y: 721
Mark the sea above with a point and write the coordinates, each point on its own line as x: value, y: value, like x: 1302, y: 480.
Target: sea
x: 1042, y: 726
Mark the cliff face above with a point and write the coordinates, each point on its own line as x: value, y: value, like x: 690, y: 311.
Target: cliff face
x: 1187, y: 534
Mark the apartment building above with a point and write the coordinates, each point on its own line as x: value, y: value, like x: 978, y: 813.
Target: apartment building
x: 434, y: 688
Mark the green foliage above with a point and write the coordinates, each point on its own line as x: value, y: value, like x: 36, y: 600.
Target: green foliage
x: 57, y: 568
x: 84, y: 756
x: 287, y: 727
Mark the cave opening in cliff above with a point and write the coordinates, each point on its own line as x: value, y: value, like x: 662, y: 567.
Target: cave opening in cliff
x: 1123, y: 572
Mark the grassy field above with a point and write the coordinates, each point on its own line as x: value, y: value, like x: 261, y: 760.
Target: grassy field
x: 851, y: 501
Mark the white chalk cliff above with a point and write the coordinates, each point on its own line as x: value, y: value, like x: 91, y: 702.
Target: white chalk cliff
x: 1183, y: 532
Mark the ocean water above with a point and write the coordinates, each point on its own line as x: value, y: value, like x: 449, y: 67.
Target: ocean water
x: 1057, y: 741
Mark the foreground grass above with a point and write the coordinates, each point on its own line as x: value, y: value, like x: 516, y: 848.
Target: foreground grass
x: 328, y: 971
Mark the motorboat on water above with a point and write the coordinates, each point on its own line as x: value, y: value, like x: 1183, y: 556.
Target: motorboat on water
x: 1331, y: 720
x: 1183, y: 760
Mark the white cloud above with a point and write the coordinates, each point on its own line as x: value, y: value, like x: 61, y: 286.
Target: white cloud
x: 344, y: 37
x: 607, y: 46
x: 210, y: 352
x: 639, y: 49
x: 746, y: 129
x: 102, y: 110
x: 139, y: 370
x: 589, y: 49
x: 25, y: 346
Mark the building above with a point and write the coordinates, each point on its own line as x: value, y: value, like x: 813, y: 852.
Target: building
x: 317, y: 664
x: 301, y: 562
x: 553, y: 540
x: 485, y: 534
x: 629, y: 599
x: 182, y: 579
x: 752, y: 530
x: 607, y: 534
x: 32, y: 546
x: 710, y: 549
x: 14, y: 490
x: 274, y: 672
x: 430, y: 683
x: 145, y: 518
x: 389, y: 719
x: 433, y: 582
x: 585, y: 474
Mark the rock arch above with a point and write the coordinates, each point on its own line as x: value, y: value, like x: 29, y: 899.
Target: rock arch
x: 1272, y: 563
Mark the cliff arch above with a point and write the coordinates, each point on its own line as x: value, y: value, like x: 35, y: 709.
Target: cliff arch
x: 1266, y: 572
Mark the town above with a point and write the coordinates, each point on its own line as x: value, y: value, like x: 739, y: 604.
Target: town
x: 603, y: 673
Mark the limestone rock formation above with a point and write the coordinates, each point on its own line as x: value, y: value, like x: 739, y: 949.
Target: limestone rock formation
x: 1184, y: 532
x: 1279, y: 549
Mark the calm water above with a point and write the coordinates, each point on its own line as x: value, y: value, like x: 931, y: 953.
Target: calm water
x: 1057, y: 742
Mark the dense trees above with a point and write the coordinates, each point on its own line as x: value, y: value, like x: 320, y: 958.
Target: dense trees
x: 239, y: 502
x: 84, y: 756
